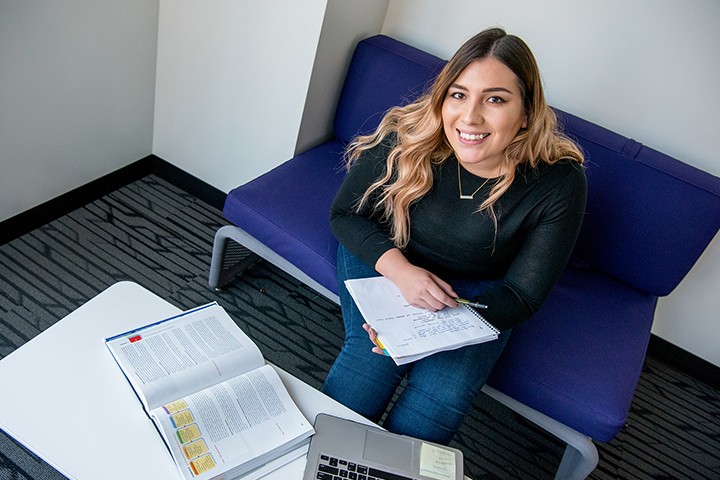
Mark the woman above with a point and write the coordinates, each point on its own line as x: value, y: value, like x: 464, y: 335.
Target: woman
x: 468, y: 192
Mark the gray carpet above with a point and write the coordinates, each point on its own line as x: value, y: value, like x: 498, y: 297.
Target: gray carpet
x: 152, y: 233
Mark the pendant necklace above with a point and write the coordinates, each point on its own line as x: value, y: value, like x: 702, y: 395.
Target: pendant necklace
x: 472, y: 196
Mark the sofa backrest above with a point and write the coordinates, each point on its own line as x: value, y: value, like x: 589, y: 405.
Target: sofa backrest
x: 383, y: 73
x: 649, y: 216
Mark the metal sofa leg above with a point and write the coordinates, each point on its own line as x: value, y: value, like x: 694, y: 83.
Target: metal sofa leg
x: 218, y: 255
x: 220, y: 271
x: 218, y: 276
x: 577, y: 464
x: 581, y: 455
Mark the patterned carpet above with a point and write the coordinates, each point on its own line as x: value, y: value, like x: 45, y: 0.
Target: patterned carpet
x: 154, y: 234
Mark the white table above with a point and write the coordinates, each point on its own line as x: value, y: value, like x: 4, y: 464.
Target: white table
x: 65, y: 399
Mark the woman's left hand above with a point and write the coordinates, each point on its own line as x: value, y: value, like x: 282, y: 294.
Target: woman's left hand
x: 373, y: 338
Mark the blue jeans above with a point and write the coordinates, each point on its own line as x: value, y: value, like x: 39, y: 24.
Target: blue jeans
x: 440, y: 388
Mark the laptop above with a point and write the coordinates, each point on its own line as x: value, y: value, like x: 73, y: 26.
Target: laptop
x: 342, y: 449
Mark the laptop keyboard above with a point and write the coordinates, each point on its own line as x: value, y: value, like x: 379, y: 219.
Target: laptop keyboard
x: 331, y: 468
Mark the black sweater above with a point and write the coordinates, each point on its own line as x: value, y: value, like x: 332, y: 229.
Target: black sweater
x: 539, y: 218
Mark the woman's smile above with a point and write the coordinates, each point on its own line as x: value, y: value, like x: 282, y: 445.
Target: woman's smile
x: 472, y: 137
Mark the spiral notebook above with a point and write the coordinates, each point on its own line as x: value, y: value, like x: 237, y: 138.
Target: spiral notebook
x: 408, y: 333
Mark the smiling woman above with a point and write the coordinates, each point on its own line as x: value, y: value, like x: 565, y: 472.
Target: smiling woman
x: 468, y: 192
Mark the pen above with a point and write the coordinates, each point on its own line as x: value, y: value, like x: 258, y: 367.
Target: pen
x: 472, y: 304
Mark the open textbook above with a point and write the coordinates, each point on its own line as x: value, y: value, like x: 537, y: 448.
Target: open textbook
x: 219, y: 408
x: 408, y: 333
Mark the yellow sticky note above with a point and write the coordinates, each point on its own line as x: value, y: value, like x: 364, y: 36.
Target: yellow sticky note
x: 182, y: 418
x: 175, y: 406
x: 188, y: 434
x: 202, y: 464
x: 195, y: 449
x: 437, y: 462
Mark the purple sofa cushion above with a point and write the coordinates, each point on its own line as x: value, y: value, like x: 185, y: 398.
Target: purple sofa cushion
x: 579, y: 358
x: 288, y: 210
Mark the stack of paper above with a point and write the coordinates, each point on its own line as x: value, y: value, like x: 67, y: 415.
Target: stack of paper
x: 408, y: 333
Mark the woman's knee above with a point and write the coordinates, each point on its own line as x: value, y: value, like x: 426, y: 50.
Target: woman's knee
x: 363, y: 381
x: 441, y: 390
x: 422, y: 415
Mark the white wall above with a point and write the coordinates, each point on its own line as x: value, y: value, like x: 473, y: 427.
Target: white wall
x: 77, y: 81
x: 346, y: 22
x: 648, y: 69
x: 232, y: 77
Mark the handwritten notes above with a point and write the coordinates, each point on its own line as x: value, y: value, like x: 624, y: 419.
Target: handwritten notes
x: 410, y: 333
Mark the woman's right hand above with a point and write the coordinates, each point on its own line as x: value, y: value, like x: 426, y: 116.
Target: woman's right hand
x: 419, y: 287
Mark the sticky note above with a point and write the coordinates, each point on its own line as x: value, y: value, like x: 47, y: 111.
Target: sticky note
x: 437, y: 462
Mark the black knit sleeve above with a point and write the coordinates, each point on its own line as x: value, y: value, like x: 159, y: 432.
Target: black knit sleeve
x: 361, y: 232
x: 545, y: 251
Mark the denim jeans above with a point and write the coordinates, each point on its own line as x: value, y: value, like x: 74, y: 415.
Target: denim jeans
x: 440, y: 388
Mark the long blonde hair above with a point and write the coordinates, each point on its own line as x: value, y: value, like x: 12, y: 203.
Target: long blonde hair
x: 420, y: 142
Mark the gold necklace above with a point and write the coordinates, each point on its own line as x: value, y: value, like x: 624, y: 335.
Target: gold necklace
x: 468, y: 197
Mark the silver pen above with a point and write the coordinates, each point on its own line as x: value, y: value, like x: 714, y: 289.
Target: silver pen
x: 469, y: 303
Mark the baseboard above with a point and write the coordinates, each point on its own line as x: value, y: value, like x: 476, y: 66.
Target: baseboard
x: 684, y: 361
x: 36, y: 217
x: 187, y: 182
x: 44, y: 213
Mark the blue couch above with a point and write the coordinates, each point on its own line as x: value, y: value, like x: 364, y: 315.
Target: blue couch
x: 573, y: 368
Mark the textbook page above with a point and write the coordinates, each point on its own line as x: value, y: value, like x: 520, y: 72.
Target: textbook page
x: 184, y: 354
x: 410, y: 333
x: 234, y: 427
